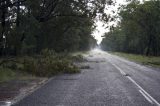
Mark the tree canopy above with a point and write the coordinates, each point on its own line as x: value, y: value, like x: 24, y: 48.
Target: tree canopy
x: 138, y: 31
x: 29, y: 26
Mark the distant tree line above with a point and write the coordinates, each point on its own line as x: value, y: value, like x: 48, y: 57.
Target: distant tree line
x: 29, y: 26
x: 138, y: 31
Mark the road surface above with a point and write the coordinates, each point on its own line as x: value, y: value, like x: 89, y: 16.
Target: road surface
x: 110, y: 81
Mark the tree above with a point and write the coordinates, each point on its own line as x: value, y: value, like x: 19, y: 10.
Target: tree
x: 62, y: 25
x: 7, y: 17
x: 139, y: 24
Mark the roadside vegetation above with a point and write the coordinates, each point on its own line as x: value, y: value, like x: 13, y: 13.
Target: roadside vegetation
x: 6, y: 74
x: 30, y: 30
x: 47, y: 64
x: 142, y: 59
x: 138, y: 32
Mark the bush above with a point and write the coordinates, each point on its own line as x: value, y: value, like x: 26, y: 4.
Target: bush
x: 49, y: 66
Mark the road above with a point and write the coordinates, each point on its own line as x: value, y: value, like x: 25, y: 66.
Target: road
x: 110, y: 81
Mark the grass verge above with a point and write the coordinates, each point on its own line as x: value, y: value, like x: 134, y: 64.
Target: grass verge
x: 6, y: 74
x: 146, y: 60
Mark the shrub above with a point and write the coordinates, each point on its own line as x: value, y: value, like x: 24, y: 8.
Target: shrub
x: 49, y: 66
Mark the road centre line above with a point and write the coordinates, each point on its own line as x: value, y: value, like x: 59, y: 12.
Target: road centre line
x: 149, y: 100
x: 121, y: 71
x: 142, y: 91
x: 155, y: 101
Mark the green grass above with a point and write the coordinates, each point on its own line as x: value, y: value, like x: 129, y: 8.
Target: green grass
x: 6, y: 74
x: 146, y: 60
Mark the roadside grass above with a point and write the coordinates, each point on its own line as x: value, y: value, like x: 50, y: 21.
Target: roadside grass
x: 11, y: 69
x: 6, y: 74
x: 47, y: 64
x: 146, y: 60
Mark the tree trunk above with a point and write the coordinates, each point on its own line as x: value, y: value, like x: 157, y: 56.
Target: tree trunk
x: 149, y: 45
x: 18, y: 11
x: 3, y: 32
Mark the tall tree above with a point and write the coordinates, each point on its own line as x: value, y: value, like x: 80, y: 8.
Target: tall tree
x: 140, y: 25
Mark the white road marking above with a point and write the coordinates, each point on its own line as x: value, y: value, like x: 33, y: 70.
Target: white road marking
x: 142, y: 90
x: 155, y: 101
x: 121, y: 71
x: 149, y: 100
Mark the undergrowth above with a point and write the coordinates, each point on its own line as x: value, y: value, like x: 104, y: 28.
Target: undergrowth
x: 47, y: 64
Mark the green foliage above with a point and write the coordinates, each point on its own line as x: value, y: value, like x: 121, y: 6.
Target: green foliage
x: 49, y: 66
x: 77, y: 58
x: 138, y: 31
x: 33, y: 28
x: 114, y: 40
x: 60, y: 25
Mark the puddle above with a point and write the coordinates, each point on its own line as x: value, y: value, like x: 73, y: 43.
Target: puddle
x: 5, y: 103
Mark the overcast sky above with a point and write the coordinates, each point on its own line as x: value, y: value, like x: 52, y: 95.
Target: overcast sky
x: 101, y: 27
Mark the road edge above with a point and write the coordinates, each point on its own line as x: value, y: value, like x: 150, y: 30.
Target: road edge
x: 30, y: 91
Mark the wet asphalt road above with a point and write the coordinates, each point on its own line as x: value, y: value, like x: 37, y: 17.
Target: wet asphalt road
x: 111, y: 81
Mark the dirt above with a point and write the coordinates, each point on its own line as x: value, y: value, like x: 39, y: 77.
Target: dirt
x: 15, y: 90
